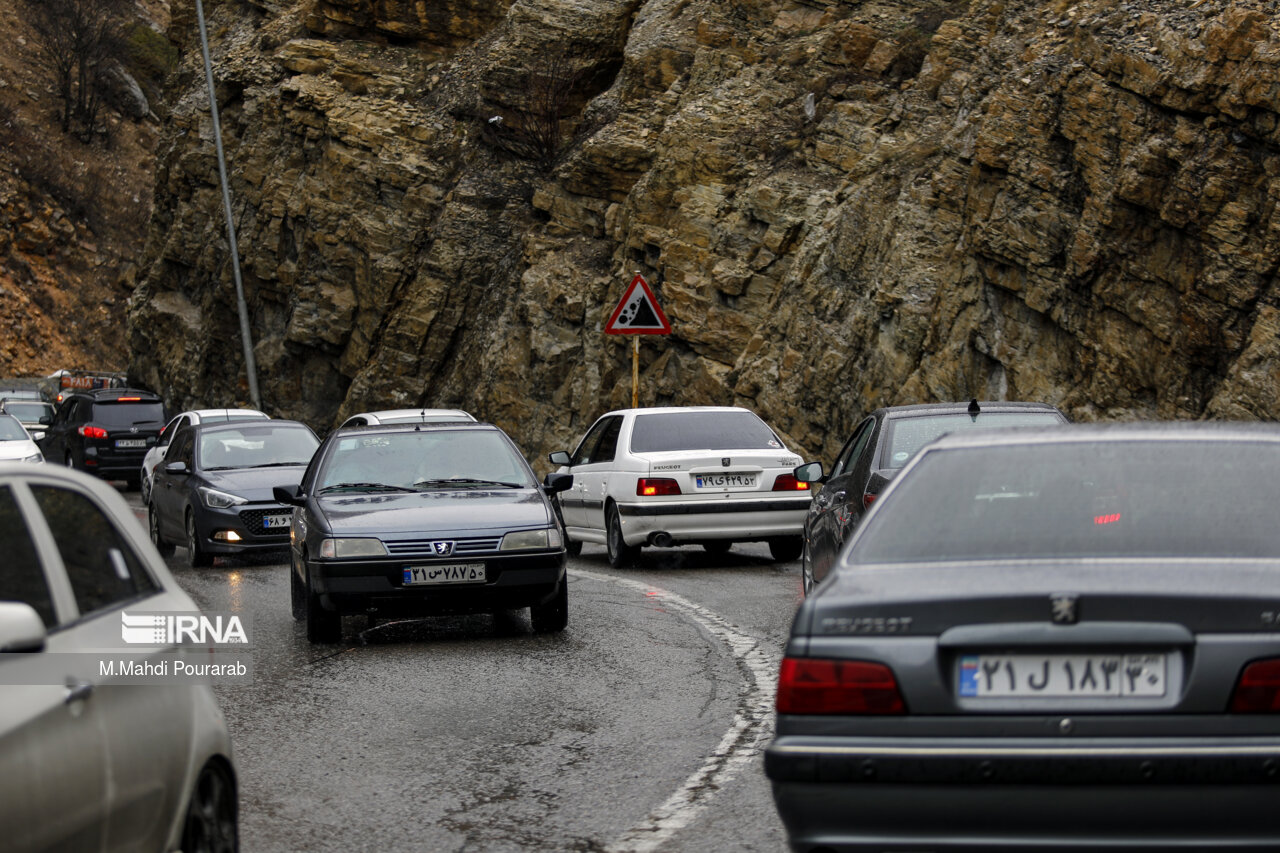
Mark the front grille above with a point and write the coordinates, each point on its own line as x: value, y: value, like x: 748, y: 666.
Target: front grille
x: 461, y: 547
x: 252, y: 520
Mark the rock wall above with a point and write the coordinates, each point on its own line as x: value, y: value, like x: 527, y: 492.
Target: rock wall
x: 841, y: 205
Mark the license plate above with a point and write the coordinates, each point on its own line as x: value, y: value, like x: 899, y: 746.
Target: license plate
x: 272, y: 522
x: 131, y: 442
x: 1062, y: 675
x: 444, y: 573
x: 725, y: 481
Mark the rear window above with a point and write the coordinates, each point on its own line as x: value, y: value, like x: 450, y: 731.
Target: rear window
x: 31, y: 412
x: 1088, y: 499
x: 127, y: 414
x: 702, y: 431
x: 905, y: 436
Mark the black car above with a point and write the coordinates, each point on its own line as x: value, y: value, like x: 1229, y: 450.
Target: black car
x: 105, y: 432
x: 881, y: 444
x: 213, y: 492
x: 423, y: 519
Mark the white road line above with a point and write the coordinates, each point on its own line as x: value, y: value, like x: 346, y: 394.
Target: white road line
x: 752, y: 723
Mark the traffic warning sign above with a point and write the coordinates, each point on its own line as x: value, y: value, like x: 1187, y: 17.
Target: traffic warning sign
x: 638, y: 313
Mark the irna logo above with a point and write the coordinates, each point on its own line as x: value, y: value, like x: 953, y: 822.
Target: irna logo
x: 158, y: 629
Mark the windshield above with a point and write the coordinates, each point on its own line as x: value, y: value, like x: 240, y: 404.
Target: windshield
x: 905, y: 436
x: 702, y: 431
x: 1080, y: 499
x: 426, y: 460
x: 127, y: 414
x: 11, y: 430
x: 256, y: 446
x: 29, y: 412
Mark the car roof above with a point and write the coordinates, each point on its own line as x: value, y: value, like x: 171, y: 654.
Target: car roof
x: 668, y: 410
x: 412, y: 413
x: 963, y: 408
x: 115, y: 393
x: 247, y: 414
x: 419, y: 426
x: 1127, y: 431
x: 257, y: 423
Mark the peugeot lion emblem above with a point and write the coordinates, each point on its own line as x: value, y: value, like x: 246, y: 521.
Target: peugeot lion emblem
x: 442, y: 549
x: 1065, y: 609
x: 133, y: 429
x: 725, y: 461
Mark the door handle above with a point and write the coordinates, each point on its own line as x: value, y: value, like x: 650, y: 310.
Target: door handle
x: 77, y: 690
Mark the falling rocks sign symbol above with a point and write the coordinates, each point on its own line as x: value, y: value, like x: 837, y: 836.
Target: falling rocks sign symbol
x: 638, y: 313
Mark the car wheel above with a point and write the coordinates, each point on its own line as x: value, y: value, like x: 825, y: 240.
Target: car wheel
x: 717, y: 546
x: 132, y: 483
x: 552, y: 616
x: 572, y: 547
x: 197, y: 557
x: 212, y: 823
x: 153, y: 527
x: 784, y: 549
x: 323, y: 626
x: 145, y: 488
x: 297, y: 592
x: 68, y: 461
x: 806, y: 571
x: 621, y: 554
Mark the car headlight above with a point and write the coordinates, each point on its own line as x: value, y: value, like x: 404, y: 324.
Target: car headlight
x: 523, y: 539
x: 33, y: 458
x: 215, y: 499
x: 340, y: 548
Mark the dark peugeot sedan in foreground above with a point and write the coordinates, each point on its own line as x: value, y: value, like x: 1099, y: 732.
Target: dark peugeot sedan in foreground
x: 415, y: 520
x: 1057, y: 639
x: 213, y: 491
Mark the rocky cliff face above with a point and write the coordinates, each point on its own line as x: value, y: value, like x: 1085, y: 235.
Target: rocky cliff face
x: 840, y: 204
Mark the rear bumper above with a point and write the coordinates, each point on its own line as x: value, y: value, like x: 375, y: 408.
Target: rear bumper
x: 1168, y: 794
x: 733, y: 519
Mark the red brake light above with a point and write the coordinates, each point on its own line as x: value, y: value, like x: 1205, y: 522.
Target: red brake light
x: 817, y: 686
x: 1109, y: 518
x: 868, y: 499
x: 651, y: 486
x: 92, y: 432
x: 788, y: 483
x: 1258, y: 689
x: 128, y: 399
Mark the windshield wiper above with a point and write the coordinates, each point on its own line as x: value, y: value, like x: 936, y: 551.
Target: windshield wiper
x: 467, y: 481
x: 365, y: 487
x: 273, y: 464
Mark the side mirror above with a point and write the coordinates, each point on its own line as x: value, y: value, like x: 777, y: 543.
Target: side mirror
x: 560, y: 457
x: 557, y: 483
x: 46, y: 419
x: 291, y: 494
x: 810, y: 472
x: 21, y: 629
x: 176, y: 468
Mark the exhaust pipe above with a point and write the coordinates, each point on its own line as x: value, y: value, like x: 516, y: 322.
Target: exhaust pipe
x: 661, y: 539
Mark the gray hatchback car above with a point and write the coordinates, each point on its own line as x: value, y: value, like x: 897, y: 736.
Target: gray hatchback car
x: 1051, y: 639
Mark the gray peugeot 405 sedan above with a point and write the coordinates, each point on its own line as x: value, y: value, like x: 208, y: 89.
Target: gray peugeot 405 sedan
x: 1049, y: 639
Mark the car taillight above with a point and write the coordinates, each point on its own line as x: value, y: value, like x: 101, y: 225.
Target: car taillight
x: 868, y: 499
x: 788, y: 483
x: 92, y: 432
x: 817, y: 686
x: 650, y: 486
x: 1258, y: 688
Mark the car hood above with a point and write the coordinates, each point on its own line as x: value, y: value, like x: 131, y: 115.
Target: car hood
x: 419, y: 513
x: 17, y: 449
x: 254, y: 484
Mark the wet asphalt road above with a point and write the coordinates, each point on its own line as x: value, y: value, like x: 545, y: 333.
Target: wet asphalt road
x: 638, y: 728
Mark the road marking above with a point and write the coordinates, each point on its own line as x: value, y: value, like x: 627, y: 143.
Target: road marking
x: 752, y: 723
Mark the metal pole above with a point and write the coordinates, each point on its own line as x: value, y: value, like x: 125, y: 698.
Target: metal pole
x: 250, y: 366
x: 635, y: 371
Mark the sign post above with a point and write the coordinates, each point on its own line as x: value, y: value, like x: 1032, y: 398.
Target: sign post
x: 637, y: 314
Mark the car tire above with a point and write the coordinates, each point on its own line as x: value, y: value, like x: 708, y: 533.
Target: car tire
x: 144, y: 487
x: 620, y: 553
x: 297, y: 593
x: 717, y: 546
x: 552, y: 616
x: 323, y: 626
x: 69, y: 461
x: 153, y: 527
x: 212, y: 821
x: 785, y: 549
x: 133, y: 484
x: 197, y: 557
x: 806, y: 572
x: 572, y: 547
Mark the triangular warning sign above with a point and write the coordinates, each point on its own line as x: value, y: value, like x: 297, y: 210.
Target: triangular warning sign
x: 638, y: 312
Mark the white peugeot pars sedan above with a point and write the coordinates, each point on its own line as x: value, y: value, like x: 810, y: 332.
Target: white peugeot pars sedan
x: 91, y: 757
x: 682, y: 475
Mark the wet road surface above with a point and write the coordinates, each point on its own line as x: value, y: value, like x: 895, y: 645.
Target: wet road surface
x: 638, y: 728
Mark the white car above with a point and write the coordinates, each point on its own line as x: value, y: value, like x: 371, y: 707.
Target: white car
x: 670, y: 476
x: 196, y: 416
x: 92, y: 758
x: 15, y: 442
x: 406, y: 416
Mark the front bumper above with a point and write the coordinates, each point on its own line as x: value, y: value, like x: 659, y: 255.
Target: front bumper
x: 376, y: 586
x: 736, y: 519
x: 859, y: 794
x: 244, y: 520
